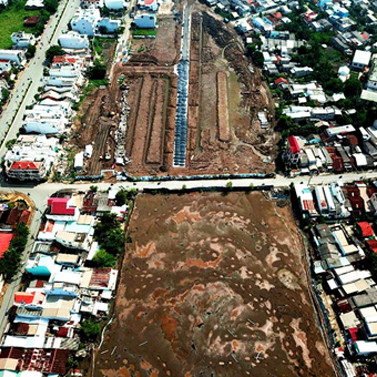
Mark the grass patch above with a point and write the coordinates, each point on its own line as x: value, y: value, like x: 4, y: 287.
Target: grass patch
x: 12, y: 20
x: 93, y: 84
x: 99, y: 44
x: 144, y: 32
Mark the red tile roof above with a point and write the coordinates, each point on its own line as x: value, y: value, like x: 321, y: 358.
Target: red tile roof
x: 59, y: 206
x: 5, y: 239
x: 13, y: 217
x: 24, y: 217
x: 148, y: 2
x: 24, y: 297
x: 372, y: 245
x: 280, y: 80
x: 295, y: 148
x: 24, y: 165
x: 366, y: 229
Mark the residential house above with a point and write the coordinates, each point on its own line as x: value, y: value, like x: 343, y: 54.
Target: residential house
x: 14, y: 56
x: 73, y: 40
x: 145, y: 20
x: 361, y: 60
x: 22, y: 40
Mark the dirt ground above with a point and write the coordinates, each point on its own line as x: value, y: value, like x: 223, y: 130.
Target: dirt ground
x: 150, y: 75
x: 212, y: 285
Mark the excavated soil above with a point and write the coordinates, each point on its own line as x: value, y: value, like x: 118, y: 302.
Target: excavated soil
x: 212, y: 285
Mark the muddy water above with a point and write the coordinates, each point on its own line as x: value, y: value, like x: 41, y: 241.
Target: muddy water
x: 212, y: 285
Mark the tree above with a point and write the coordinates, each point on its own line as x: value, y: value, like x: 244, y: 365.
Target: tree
x: 103, y: 259
x: 109, y: 234
x: 54, y: 51
x: 229, y: 185
x: 258, y: 58
x: 51, y: 6
x: 30, y: 51
x: 352, y: 87
x: 93, y: 188
x: 4, y: 94
x: 90, y: 330
x: 121, y: 197
x: 97, y: 71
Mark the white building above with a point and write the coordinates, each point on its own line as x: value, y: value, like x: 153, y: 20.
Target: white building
x: 148, y: 5
x: 15, y: 56
x: 145, y: 20
x: 109, y: 24
x: 73, y: 40
x: 361, y: 60
x: 34, y: 4
x: 85, y: 21
x: 5, y: 66
x: 21, y: 39
x: 372, y: 79
x: 115, y: 4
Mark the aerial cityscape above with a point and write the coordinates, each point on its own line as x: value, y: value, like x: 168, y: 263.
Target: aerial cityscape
x: 188, y: 188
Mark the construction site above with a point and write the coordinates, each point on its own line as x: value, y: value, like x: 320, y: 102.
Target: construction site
x: 133, y: 123
x: 206, y: 289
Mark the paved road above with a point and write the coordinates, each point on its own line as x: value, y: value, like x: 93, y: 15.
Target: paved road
x: 31, y: 78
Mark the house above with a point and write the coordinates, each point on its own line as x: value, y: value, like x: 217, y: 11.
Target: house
x: 145, y: 20
x: 27, y: 170
x: 5, y: 239
x: 108, y: 25
x: 361, y: 60
x: 85, y: 4
x: 85, y: 21
x: 5, y: 65
x: 301, y: 71
x: 306, y: 201
x: 115, y: 4
x: 40, y: 265
x: 34, y: 4
x: 31, y: 21
x: 21, y: 39
x: 148, y: 5
x: 73, y: 40
x: 63, y: 209
x: 372, y: 77
x: 15, y: 56
x: 366, y: 229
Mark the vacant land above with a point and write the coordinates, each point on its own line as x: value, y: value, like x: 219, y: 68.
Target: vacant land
x: 212, y: 285
x: 224, y: 98
x: 12, y: 20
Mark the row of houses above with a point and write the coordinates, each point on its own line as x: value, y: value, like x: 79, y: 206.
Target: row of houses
x: 343, y: 282
x: 64, y: 288
x: 334, y: 149
x: 37, y: 148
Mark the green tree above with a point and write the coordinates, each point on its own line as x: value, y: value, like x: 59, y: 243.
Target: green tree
x: 258, y: 58
x: 109, y: 234
x: 229, y: 185
x: 90, y: 330
x: 97, y: 71
x: 121, y: 197
x: 4, y: 94
x: 30, y: 51
x: 51, y: 6
x: 103, y: 259
x: 352, y: 87
x: 54, y: 51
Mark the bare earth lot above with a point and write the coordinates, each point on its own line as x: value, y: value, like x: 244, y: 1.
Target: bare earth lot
x: 212, y: 285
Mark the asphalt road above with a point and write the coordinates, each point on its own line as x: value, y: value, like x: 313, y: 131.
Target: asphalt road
x: 31, y: 77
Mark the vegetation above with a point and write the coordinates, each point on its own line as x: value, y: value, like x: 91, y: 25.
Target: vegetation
x: 352, y: 87
x: 229, y: 185
x: 30, y: 52
x: 144, y: 32
x: 103, y: 259
x: 110, y: 237
x: 51, y: 6
x: 12, y: 20
x: 10, y: 263
x: 9, y: 144
x: 90, y: 330
x: 54, y: 51
x: 124, y: 197
x: 97, y: 71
